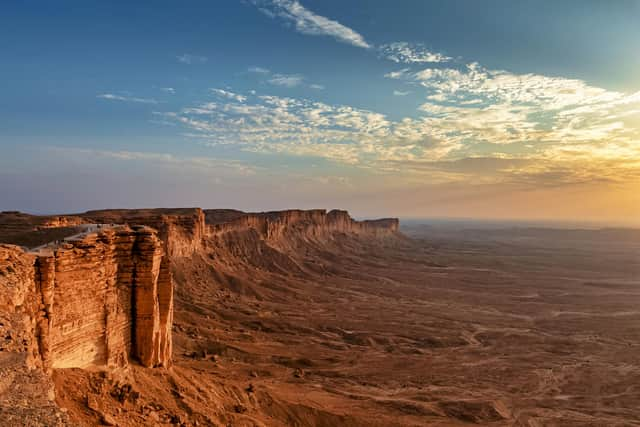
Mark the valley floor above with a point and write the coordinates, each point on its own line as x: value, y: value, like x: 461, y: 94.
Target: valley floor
x: 447, y: 328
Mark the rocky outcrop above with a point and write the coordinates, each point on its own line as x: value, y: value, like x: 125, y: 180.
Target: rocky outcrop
x: 106, y: 296
x: 95, y: 300
x: 26, y: 392
x: 181, y: 230
x: 316, y: 223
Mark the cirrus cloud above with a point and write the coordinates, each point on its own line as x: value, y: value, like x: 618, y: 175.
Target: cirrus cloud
x: 307, y: 22
x: 410, y: 53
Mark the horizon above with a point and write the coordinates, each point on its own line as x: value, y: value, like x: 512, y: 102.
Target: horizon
x: 446, y: 109
x: 481, y: 222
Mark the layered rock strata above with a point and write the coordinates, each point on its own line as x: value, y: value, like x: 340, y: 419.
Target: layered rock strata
x: 107, y: 296
x: 26, y: 392
x: 181, y: 230
x: 102, y: 298
x: 316, y: 223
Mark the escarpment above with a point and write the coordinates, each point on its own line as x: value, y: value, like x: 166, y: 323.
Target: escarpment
x: 101, y: 298
x: 96, y: 289
x: 107, y: 296
x: 181, y: 230
x: 316, y: 223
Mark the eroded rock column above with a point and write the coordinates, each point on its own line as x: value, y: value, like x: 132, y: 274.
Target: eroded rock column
x: 151, y: 285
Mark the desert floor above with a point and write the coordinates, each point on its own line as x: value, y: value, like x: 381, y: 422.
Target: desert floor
x: 451, y: 326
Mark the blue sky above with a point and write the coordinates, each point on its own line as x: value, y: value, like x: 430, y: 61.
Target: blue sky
x: 501, y: 109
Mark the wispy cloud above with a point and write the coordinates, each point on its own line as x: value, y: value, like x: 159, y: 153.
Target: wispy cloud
x: 397, y: 74
x: 114, y: 97
x: 409, y: 53
x: 473, y: 104
x: 286, y: 80
x: 307, y: 22
x: 168, y: 90
x: 191, y: 59
x: 561, y: 128
x: 211, y: 164
x: 401, y: 93
x: 229, y: 95
x: 258, y: 70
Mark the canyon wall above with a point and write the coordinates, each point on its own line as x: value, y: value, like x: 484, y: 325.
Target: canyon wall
x: 105, y: 296
x: 100, y: 298
x: 26, y: 392
x: 181, y: 230
x: 316, y: 223
x: 184, y: 230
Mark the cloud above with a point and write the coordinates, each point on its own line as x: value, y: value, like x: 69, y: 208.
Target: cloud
x: 258, y: 70
x: 409, y: 53
x: 191, y: 59
x: 307, y: 22
x: 560, y: 129
x: 399, y: 74
x: 229, y: 95
x: 303, y: 127
x: 286, y: 80
x: 210, y: 164
x: 527, y: 128
x: 113, y: 97
x: 168, y: 90
x: 473, y: 104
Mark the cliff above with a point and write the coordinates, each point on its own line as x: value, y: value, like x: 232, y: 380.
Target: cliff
x: 185, y: 230
x: 26, y: 392
x: 96, y: 289
x: 107, y: 296
x: 316, y: 223
x: 96, y: 299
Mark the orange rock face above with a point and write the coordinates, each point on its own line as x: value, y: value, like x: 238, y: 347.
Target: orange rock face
x: 103, y: 298
x: 316, y: 223
x: 106, y: 297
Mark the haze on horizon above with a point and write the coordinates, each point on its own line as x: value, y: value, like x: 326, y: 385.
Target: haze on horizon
x: 513, y: 109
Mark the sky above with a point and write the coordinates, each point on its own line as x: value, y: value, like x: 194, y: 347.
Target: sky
x: 412, y: 108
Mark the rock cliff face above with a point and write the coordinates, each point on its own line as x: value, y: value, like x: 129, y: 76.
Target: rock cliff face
x: 317, y: 223
x: 98, y: 299
x: 181, y: 230
x: 185, y: 230
x: 103, y: 296
x: 106, y: 296
x: 26, y: 392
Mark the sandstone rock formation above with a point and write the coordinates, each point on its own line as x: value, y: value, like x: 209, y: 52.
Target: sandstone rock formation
x: 102, y: 296
x: 310, y: 223
x: 181, y: 230
x: 106, y: 296
x: 26, y: 392
x: 97, y: 299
